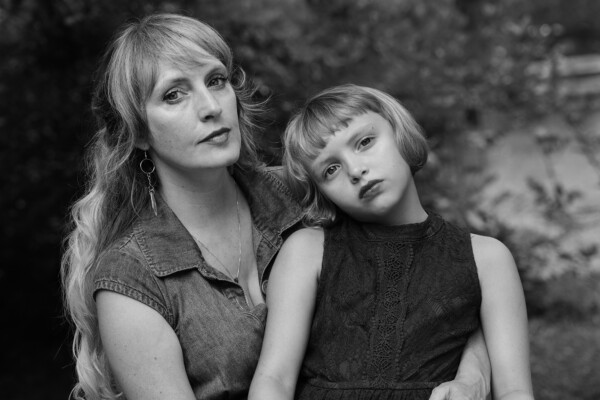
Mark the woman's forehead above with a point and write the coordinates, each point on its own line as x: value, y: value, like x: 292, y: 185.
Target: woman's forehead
x: 184, y: 55
x: 167, y: 68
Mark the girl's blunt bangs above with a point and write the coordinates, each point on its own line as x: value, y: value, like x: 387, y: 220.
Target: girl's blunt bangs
x: 410, y: 139
x: 328, y: 112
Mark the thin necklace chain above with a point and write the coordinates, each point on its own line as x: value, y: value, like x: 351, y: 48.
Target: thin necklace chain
x: 236, y: 279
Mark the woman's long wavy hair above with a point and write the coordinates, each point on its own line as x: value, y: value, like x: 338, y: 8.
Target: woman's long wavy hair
x: 116, y: 190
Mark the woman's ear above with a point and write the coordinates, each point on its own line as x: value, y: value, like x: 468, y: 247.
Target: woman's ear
x: 142, y: 144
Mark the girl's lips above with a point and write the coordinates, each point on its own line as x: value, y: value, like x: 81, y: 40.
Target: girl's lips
x: 215, y: 134
x: 364, y: 191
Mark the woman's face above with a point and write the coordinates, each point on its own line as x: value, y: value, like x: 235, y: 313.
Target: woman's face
x: 192, y: 118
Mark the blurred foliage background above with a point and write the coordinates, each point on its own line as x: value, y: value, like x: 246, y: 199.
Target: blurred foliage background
x: 462, y: 67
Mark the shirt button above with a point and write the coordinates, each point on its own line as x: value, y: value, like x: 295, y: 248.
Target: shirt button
x: 263, y: 286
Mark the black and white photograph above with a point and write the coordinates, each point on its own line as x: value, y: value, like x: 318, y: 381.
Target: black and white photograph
x: 300, y: 199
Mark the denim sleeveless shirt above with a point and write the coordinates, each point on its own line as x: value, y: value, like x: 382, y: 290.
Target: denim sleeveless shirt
x: 159, y: 264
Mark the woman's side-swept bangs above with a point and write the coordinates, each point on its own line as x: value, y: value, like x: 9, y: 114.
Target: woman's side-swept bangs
x: 177, y: 40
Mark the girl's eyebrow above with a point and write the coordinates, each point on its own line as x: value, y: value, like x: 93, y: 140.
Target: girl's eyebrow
x: 360, y: 130
x: 328, y: 158
x: 321, y: 163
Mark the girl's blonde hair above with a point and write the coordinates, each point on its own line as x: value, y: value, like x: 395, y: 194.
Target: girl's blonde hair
x: 327, y: 113
x: 116, y: 190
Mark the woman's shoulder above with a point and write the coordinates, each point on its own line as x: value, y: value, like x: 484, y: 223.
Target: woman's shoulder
x: 121, y: 257
x: 273, y: 176
x: 276, y: 171
x: 268, y: 195
x: 122, y: 268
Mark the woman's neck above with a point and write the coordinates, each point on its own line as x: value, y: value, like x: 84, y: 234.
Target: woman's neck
x: 201, y: 200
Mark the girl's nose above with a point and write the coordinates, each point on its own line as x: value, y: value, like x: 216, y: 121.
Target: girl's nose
x: 357, y: 172
x: 208, y: 106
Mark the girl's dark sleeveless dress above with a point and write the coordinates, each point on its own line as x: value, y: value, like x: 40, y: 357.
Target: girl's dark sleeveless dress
x: 395, y: 308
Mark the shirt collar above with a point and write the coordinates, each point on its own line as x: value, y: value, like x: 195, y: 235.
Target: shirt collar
x: 168, y: 247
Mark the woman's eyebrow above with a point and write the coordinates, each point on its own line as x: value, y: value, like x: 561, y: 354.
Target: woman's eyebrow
x: 162, y: 84
x: 179, y: 78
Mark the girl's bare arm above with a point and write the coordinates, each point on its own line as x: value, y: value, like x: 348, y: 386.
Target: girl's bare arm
x: 504, y: 320
x: 290, y: 300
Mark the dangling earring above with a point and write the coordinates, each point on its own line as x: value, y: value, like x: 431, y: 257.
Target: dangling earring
x: 147, y: 166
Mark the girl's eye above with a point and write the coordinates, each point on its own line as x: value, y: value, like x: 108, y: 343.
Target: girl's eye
x: 218, y: 81
x: 330, y: 170
x: 173, y: 96
x: 365, y: 141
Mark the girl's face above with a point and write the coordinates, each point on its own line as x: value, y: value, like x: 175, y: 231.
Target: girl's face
x: 192, y: 119
x: 361, y: 170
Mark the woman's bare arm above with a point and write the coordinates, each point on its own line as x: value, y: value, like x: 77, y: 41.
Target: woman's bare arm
x: 143, y: 351
x: 472, y: 381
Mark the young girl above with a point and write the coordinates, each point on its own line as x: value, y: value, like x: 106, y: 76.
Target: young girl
x: 379, y: 302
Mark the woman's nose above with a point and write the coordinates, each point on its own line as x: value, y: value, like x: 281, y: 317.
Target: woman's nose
x: 208, y: 105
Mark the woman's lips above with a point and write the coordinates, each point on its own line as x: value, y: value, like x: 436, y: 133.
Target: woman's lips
x: 218, y: 134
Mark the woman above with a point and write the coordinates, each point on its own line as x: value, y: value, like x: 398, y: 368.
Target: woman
x: 166, y: 265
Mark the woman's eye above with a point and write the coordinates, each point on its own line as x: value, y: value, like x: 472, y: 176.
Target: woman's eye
x: 218, y: 81
x: 172, y: 96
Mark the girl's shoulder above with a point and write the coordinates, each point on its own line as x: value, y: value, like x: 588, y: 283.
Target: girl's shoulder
x: 307, y: 238
x: 490, y: 253
x: 302, y: 252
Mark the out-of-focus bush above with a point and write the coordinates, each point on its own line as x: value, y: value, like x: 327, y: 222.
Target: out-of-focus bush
x: 445, y: 59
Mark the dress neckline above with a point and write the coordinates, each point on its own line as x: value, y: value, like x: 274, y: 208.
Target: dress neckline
x: 406, y: 232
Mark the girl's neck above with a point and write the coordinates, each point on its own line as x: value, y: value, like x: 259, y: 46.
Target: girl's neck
x: 409, y: 210
x: 413, y: 214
